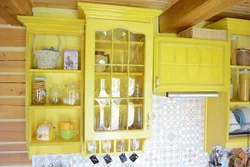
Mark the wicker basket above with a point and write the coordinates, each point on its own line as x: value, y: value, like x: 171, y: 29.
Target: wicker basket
x: 47, y: 59
x: 204, y: 33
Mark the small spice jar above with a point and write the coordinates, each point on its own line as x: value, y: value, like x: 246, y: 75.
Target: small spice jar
x: 244, y: 78
x: 38, y: 91
x: 71, y: 94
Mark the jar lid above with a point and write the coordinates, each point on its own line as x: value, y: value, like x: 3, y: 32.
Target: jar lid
x: 244, y: 70
x: 39, y: 79
x: 242, y: 50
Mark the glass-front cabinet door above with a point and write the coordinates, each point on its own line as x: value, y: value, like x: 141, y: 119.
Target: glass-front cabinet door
x: 118, y: 79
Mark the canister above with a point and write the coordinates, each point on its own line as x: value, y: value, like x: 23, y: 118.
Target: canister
x: 244, y: 84
x: 243, y: 57
x: 71, y: 94
x: 38, y: 91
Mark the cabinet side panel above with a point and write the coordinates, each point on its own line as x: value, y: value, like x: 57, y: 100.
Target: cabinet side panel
x: 216, y: 121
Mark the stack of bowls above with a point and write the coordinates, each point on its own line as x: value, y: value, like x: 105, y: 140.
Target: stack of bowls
x: 242, y: 116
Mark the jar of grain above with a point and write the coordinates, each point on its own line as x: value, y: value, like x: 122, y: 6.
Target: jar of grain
x: 243, y: 57
x: 38, y: 91
x: 244, y: 84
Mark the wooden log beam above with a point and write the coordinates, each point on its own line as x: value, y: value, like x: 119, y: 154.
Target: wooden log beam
x: 10, y: 9
x: 186, y: 13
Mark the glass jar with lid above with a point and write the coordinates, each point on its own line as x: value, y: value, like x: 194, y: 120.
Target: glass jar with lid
x: 71, y: 94
x: 38, y: 91
x: 55, y: 95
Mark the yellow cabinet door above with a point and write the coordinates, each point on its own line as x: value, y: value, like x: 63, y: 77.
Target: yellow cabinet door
x: 182, y: 64
x: 118, y: 94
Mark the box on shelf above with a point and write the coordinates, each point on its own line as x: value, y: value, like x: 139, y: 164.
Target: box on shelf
x: 71, y: 59
x: 204, y: 33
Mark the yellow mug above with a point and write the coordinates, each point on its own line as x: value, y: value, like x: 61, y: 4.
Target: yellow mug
x: 67, y: 125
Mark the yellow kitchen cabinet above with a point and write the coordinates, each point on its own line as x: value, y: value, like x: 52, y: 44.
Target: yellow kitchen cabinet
x: 239, y: 37
x: 45, y: 79
x: 118, y: 96
x: 189, y: 65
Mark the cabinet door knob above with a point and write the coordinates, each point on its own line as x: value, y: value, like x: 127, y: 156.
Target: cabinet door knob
x: 157, y: 82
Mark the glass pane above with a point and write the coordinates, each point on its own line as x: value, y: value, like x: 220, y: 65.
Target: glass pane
x: 119, y: 114
x: 135, y: 114
x: 103, y: 50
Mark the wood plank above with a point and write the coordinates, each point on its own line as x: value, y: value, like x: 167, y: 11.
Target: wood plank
x: 12, y: 127
x: 186, y: 13
x: 12, y: 112
x: 12, y: 42
x: 12, y: 101
x: 12, y: 136
x: 13, y: 147
x: 13, y: 33
x: 12, y: 55
x: 15, y: 159
x: 12, y: 89
x: 12, y: 66
x: 16, y: 7
x: 12, y: 78
x: 8, y: 18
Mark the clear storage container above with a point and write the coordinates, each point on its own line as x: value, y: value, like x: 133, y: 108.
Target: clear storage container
x: 71, y: 94
x: 243, y: 57
x: 38, y: 91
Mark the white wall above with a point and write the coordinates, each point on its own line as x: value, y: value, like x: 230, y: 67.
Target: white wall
x: 177, y: 139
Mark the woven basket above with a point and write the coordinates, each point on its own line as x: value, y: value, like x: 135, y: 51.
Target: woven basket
x: 47, y: 59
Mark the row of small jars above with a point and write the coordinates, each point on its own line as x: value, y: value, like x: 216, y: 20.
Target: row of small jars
x: 69, y: 95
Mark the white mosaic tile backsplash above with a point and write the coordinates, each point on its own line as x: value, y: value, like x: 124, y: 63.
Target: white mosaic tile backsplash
x: 177, y: 139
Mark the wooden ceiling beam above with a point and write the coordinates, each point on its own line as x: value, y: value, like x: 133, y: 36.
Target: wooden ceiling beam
x: 186, y: 13
x: 10, y: 9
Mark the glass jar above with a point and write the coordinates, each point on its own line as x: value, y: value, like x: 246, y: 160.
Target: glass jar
x: 244, y: 85
x: 243, y: 57
x: 71, y: 94
x: 55, y: 96
x: 38, y: 91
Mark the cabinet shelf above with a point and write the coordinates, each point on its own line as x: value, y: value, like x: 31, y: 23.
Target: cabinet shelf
x: 54, y: 71
x: 118, y: 74
x: 236, y: 102
x: 54, y: 107
x: 120, y: 42
x: 56, y: 141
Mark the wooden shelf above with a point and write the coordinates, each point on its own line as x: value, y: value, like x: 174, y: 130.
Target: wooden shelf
x: 239, y: 67
x: 235, y: 102
x: 119, y: 73
x: 56, y: 141
x: 54, y: 71
x: 54, y: 107
x: 120, y: 42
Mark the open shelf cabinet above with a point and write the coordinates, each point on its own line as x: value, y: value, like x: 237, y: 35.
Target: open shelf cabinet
x: 49, y: 100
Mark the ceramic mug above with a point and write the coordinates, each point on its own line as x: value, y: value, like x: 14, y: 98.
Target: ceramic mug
x: 66, y: 126
x: 68, y: 134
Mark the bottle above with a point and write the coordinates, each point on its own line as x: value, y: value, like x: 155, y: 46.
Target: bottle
x: 244, y: 85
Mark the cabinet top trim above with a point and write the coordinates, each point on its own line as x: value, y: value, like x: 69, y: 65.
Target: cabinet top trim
x: 59, y: 24
x: 114, y: 12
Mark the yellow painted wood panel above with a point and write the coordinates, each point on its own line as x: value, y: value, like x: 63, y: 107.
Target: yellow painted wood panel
x: 190, y: 64
x: 12, y: 66
x: 12, y: 147
x: 12, y: 55
x: 12, y: 112
x: 12, y: 89
x: 12, y: 78
x: 14, y: 159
